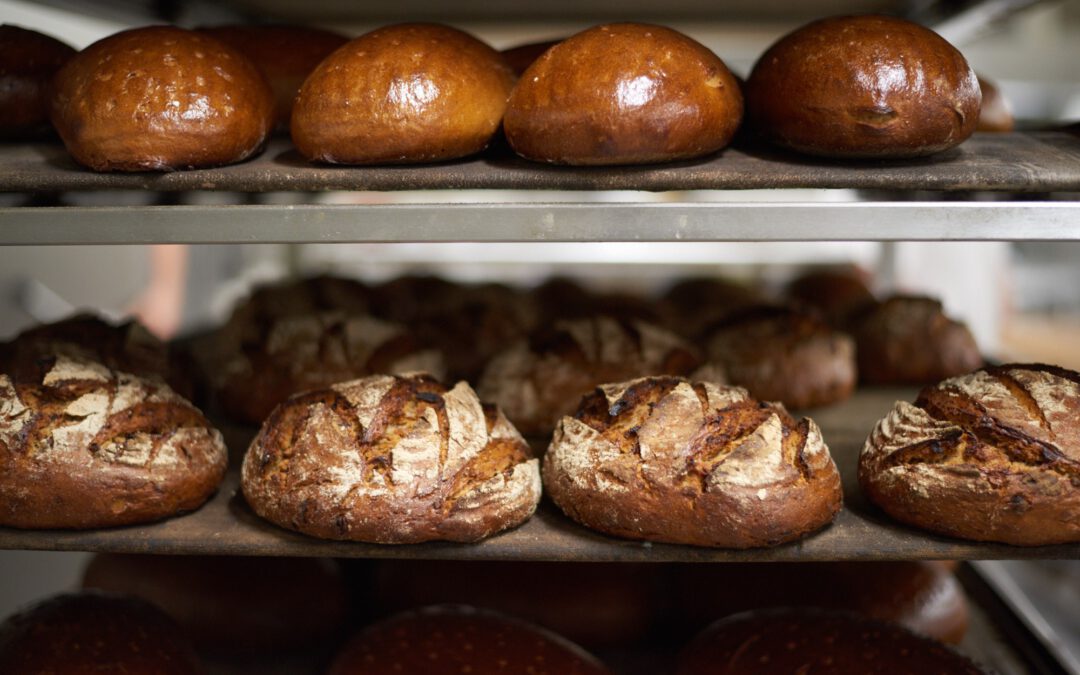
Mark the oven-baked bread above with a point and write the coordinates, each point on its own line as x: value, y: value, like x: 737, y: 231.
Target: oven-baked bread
x: 863, y: 87
x: 391, y: 460
x: 84, y: 446
x: 454, y: 640
x: 799, y: 640
x: 96, y: 633
x: 623, y: 93
x: 28, y: 61
x: 992, y: 456
x: 668, y: 460
x: 692, y: 306
x: 523, y: 56
x: 538, y: 380
x: 161, y: 98
x: 995, y: 114
x: 402, y: 94
x: 837, y: 294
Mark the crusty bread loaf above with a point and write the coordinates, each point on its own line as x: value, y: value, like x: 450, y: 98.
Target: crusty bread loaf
x: 863, y: 87
x: 28, y: 61
x: 537, y: 381
x: 910, y: 340
x: 837, y: 294
x: 161, y: 98
x: 995, y: 114
x: 782, y: 354
x: 692, y: 306
x: 664, y: 459
x: 391, y: 460
x: 455, y: 640
x: 623, y: 93
x: 402, y: 94
x: 94, y: 633
x: 991, y: 456
x: 788, y: 641
x: 84, y: 446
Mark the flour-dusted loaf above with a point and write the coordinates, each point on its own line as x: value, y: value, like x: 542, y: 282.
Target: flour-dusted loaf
x: 538, y: 380
x: 28, y: 61
x: 84, y: 446
x: 669, y: 460
x: 391, y: 460
x: 992, y: 456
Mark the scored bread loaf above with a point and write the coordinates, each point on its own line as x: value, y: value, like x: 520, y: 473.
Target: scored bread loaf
x: 388, y: 460
x: 992, y: 456
x: 669, y: 460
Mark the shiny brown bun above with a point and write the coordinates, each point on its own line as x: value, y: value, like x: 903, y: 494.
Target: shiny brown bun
x: 623, y: 93
x: 161, y: 98
x: 995, y: 114
x: 28, y: 61
x: 523, y: 56
x: 455, y: 640
x: 286, y: 55
x: 863, y: 87
x: 402, y: 94
x: 96, y: 633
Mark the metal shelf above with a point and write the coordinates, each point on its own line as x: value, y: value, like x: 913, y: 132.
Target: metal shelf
x: 861, y: 532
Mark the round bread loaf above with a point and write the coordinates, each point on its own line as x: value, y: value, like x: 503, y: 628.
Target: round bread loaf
x: 863, y: 87
x: 285, y: 55
x: 84, y: 446
x: 251, y: 607
x: 667, y: 460
x: 94, y: 633
x: 623, y: 93
x: 837, y: 294
x: 402, y: 94
x: 538, y: 380
x: 910, y: 340
x: 992, y: 456
x: 563, y: 298
x: 921, y: 596
x: 523, y: 56
x: 455, y: 640
x: 782, y: 354
x: 28, y: 61
x: 693, y: 306
x: 995, y: 114
x: 786, y: 641
x: 161, y: 98
x: 391, y: 460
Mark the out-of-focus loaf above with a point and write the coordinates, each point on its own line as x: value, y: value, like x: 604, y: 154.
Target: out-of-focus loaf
x: 28, y: 61
x: 391, y: 460
x: 402, y: 94
x: 668, y: 460
x: 691, y: 307
x: 161, y: 98
x: 623, y: 93
x: 837, y: 294
x: 995, y: 114
x: 992, y: 456
x: 523, y: 56
x: 863, y: 87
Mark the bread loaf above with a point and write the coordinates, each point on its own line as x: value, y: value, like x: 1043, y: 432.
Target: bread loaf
x: 863, y: 87
x: 391, y: 460
x: 992, y: 456
x: 995, y: 114
x: 523, y: 56
x: 28, y: 61
x: 837, y: 294
x: 83, y: 446
x: 623, y: 93
x: 158, y: 99
x: 693, y: 306
x: 669, y: 460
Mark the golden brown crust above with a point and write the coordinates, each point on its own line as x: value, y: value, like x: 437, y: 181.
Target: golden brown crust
x: 158, y: 99
x: 28, y: 61
x: 664, y: 459
x: 991, y: 456
x: 863, y: 86
x: 995, y: 114
x: 623, y: 93
x: 391, y: 460
x: 402, y: 94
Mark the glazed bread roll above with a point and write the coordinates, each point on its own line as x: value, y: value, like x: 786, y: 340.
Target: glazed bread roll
x: 86, y: 446
x: 285, y: 55
x: 455, y: 640
x: 402, y: 94
x: 94, y: 633
x: 623, y: 93
x: 995, y: 114
x: 863, y: 87
x: 992, y: 456
x: 158, y: 99
x: 787, y: 641
x: 28, y: 61
x: 523, y: 56
x: 538, y: 380
x: 391, y: 460
x: 668, y: 460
